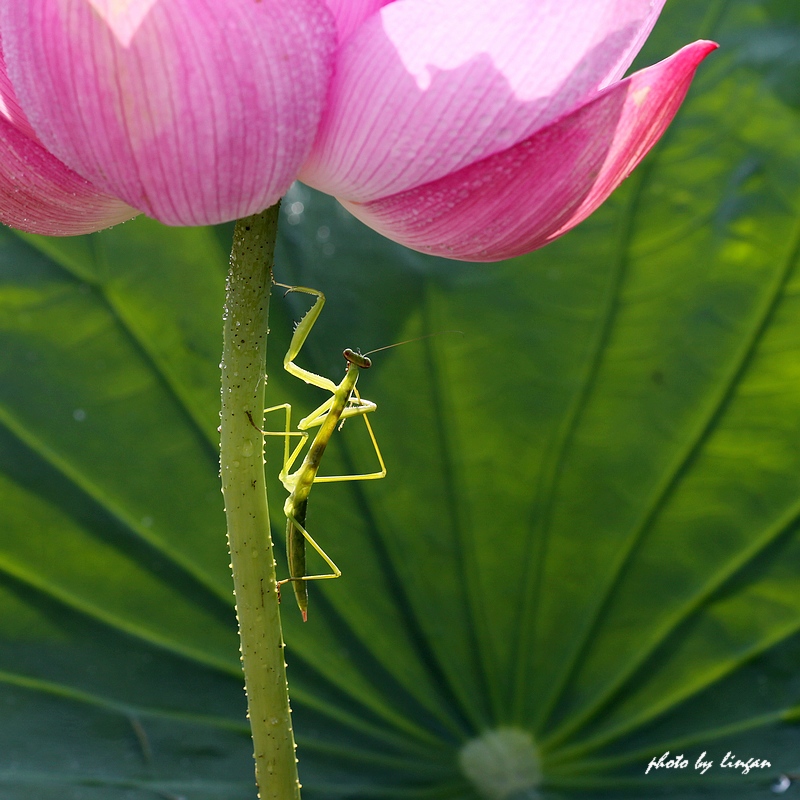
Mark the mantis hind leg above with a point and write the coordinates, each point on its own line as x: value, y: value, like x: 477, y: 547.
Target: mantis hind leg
x: 296, y: 538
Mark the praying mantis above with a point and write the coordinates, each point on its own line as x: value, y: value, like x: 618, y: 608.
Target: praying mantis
x: 344, y: 402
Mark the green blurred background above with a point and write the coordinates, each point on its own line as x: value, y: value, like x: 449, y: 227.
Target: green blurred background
x: 589, y: 527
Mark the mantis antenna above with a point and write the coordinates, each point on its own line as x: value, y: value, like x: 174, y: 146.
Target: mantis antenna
x: 409, y: 341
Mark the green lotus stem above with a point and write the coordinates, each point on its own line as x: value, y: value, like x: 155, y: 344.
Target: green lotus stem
x: 245, y: 492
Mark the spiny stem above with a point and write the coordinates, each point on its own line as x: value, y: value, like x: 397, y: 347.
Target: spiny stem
x: 245, y: 492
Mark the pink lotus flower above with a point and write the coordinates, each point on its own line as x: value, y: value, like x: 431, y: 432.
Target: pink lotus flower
x: 467, y: 128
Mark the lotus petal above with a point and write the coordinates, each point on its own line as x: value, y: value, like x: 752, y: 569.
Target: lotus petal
x: 526, y: 196
x: 38, y: 194
x: 193, y: 111
x: 9, y: 104
x: 351, y: 13
x: 427, y: 87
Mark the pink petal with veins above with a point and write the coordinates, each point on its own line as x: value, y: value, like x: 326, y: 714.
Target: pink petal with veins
x: 9, y: 105
x: 38, y: 194
x: 427, y: 87
x: 193, y: 111
x: 351, y: 13
x: 523, y: 198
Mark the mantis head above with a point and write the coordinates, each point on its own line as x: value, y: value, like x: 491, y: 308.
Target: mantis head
x: 354, y: 357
